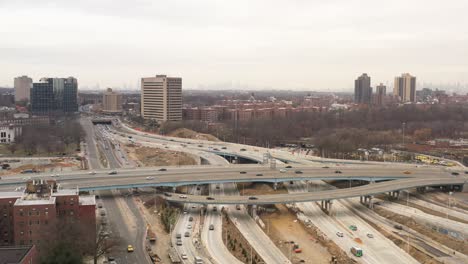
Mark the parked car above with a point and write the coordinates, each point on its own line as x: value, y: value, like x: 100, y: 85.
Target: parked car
x: 283, y: 171
x: 253, y: 198
x: 150, y: 178
x: 298, y: 172
x: 259, y: 174
x: 339, y: 234
x: 211, y: 227
x: 455, y: 173
x: 243, y: 172
x: 353, y: 227
x: 288, y: 167
x: 162, y: 169
x: 369, y: 235
x: 210, y: 198
x: 112, y: 172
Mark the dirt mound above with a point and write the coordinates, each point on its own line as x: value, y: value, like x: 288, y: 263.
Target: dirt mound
x: 187, y: 133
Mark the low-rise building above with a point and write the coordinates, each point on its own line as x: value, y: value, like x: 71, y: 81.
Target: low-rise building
x: 37, y: 215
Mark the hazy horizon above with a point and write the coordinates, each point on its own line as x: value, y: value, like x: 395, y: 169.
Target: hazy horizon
x: 248, y: 45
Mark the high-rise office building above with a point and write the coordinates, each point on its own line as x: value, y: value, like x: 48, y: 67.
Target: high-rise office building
x: 54, y: 95
x: 380, y: 93
x: 23, y: 85
x: 111, y: 102
x: 405, y: 88
x: 362, y: 89
x: 161, y: 98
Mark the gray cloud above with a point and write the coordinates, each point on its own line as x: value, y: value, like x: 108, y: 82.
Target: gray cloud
x: 283, y: 44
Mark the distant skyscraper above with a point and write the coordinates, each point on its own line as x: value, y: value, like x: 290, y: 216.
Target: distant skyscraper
x: 54, y: 95
x: 23, y: 85
x: 405, y: 88
x: 111, y: 101
x: 380, y: 93
x: 362, y: 89
x: 161, y: 98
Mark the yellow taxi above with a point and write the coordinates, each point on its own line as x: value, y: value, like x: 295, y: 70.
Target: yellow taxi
x: 130, y: 248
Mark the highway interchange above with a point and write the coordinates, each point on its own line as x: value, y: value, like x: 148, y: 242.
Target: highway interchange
x: 221, y: 173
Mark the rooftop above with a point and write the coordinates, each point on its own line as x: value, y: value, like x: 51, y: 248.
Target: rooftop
x: 12, y: 255
x: 31, y: 199
x: 88, y: 200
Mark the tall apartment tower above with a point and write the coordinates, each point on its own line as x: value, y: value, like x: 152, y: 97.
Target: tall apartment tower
x: 362, y: 89
x: 23, y: 85
x: 380, y: 93
x: 405, y: 88
x: 161, y: 98
x: 111, y: 101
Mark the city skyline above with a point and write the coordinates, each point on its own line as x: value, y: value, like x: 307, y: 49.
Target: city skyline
x: 237, y: 44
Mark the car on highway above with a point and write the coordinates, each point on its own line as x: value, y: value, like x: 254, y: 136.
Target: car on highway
x: 242, y: 149
x: 211, y: 227
x: 258, y: 174
x: 150, y: 178
x: 369, y: 235
x: 167, y: 194
x: 325, y: 167
x: 407, y: 172
x: 112, y: 172
x: 183, y: 196
x: 184, y: 256
x: 217, y: 186
x: 353, y: 227
x: 189, y: 226
x: 298, y: 172
x: 162, y: 169
x: 339, y: 234
x: 399, y: 227
x: 210, y: 198
x: 200, y: 146
x: 92, y: 172
x: 338, y: 171
x: 283, y: 171
x: 190, y: 219
x: 253, y: 198
x: 99, y: 205
x: 238, y: 207
x: 243, y: 172
x: 130, y: 248
x: 102, y: 212
x: 455, y: 173
x: 288, y: 167
x: 179, y: 242
x: 178, y: 236
x: 216, y: 149
x: 223, y: 148
x: 215, y: 208
x: 187, y: 234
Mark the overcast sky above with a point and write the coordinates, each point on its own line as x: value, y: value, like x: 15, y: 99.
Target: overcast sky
x: 279, y: 44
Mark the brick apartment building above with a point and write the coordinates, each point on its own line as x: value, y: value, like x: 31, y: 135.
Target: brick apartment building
x: 217, y: 113
x: 35, y: 216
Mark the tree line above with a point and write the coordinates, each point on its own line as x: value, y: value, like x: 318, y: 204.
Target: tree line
x: 343, y: 130
x: 49, y: 138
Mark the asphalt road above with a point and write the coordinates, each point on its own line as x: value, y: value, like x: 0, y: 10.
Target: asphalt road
x: 114, y: 205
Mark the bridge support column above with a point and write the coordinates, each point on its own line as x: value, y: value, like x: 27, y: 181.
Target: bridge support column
x: 367, y: 201
x: 394, y: 195
x: 326, y: 206
x: 275, y: 186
